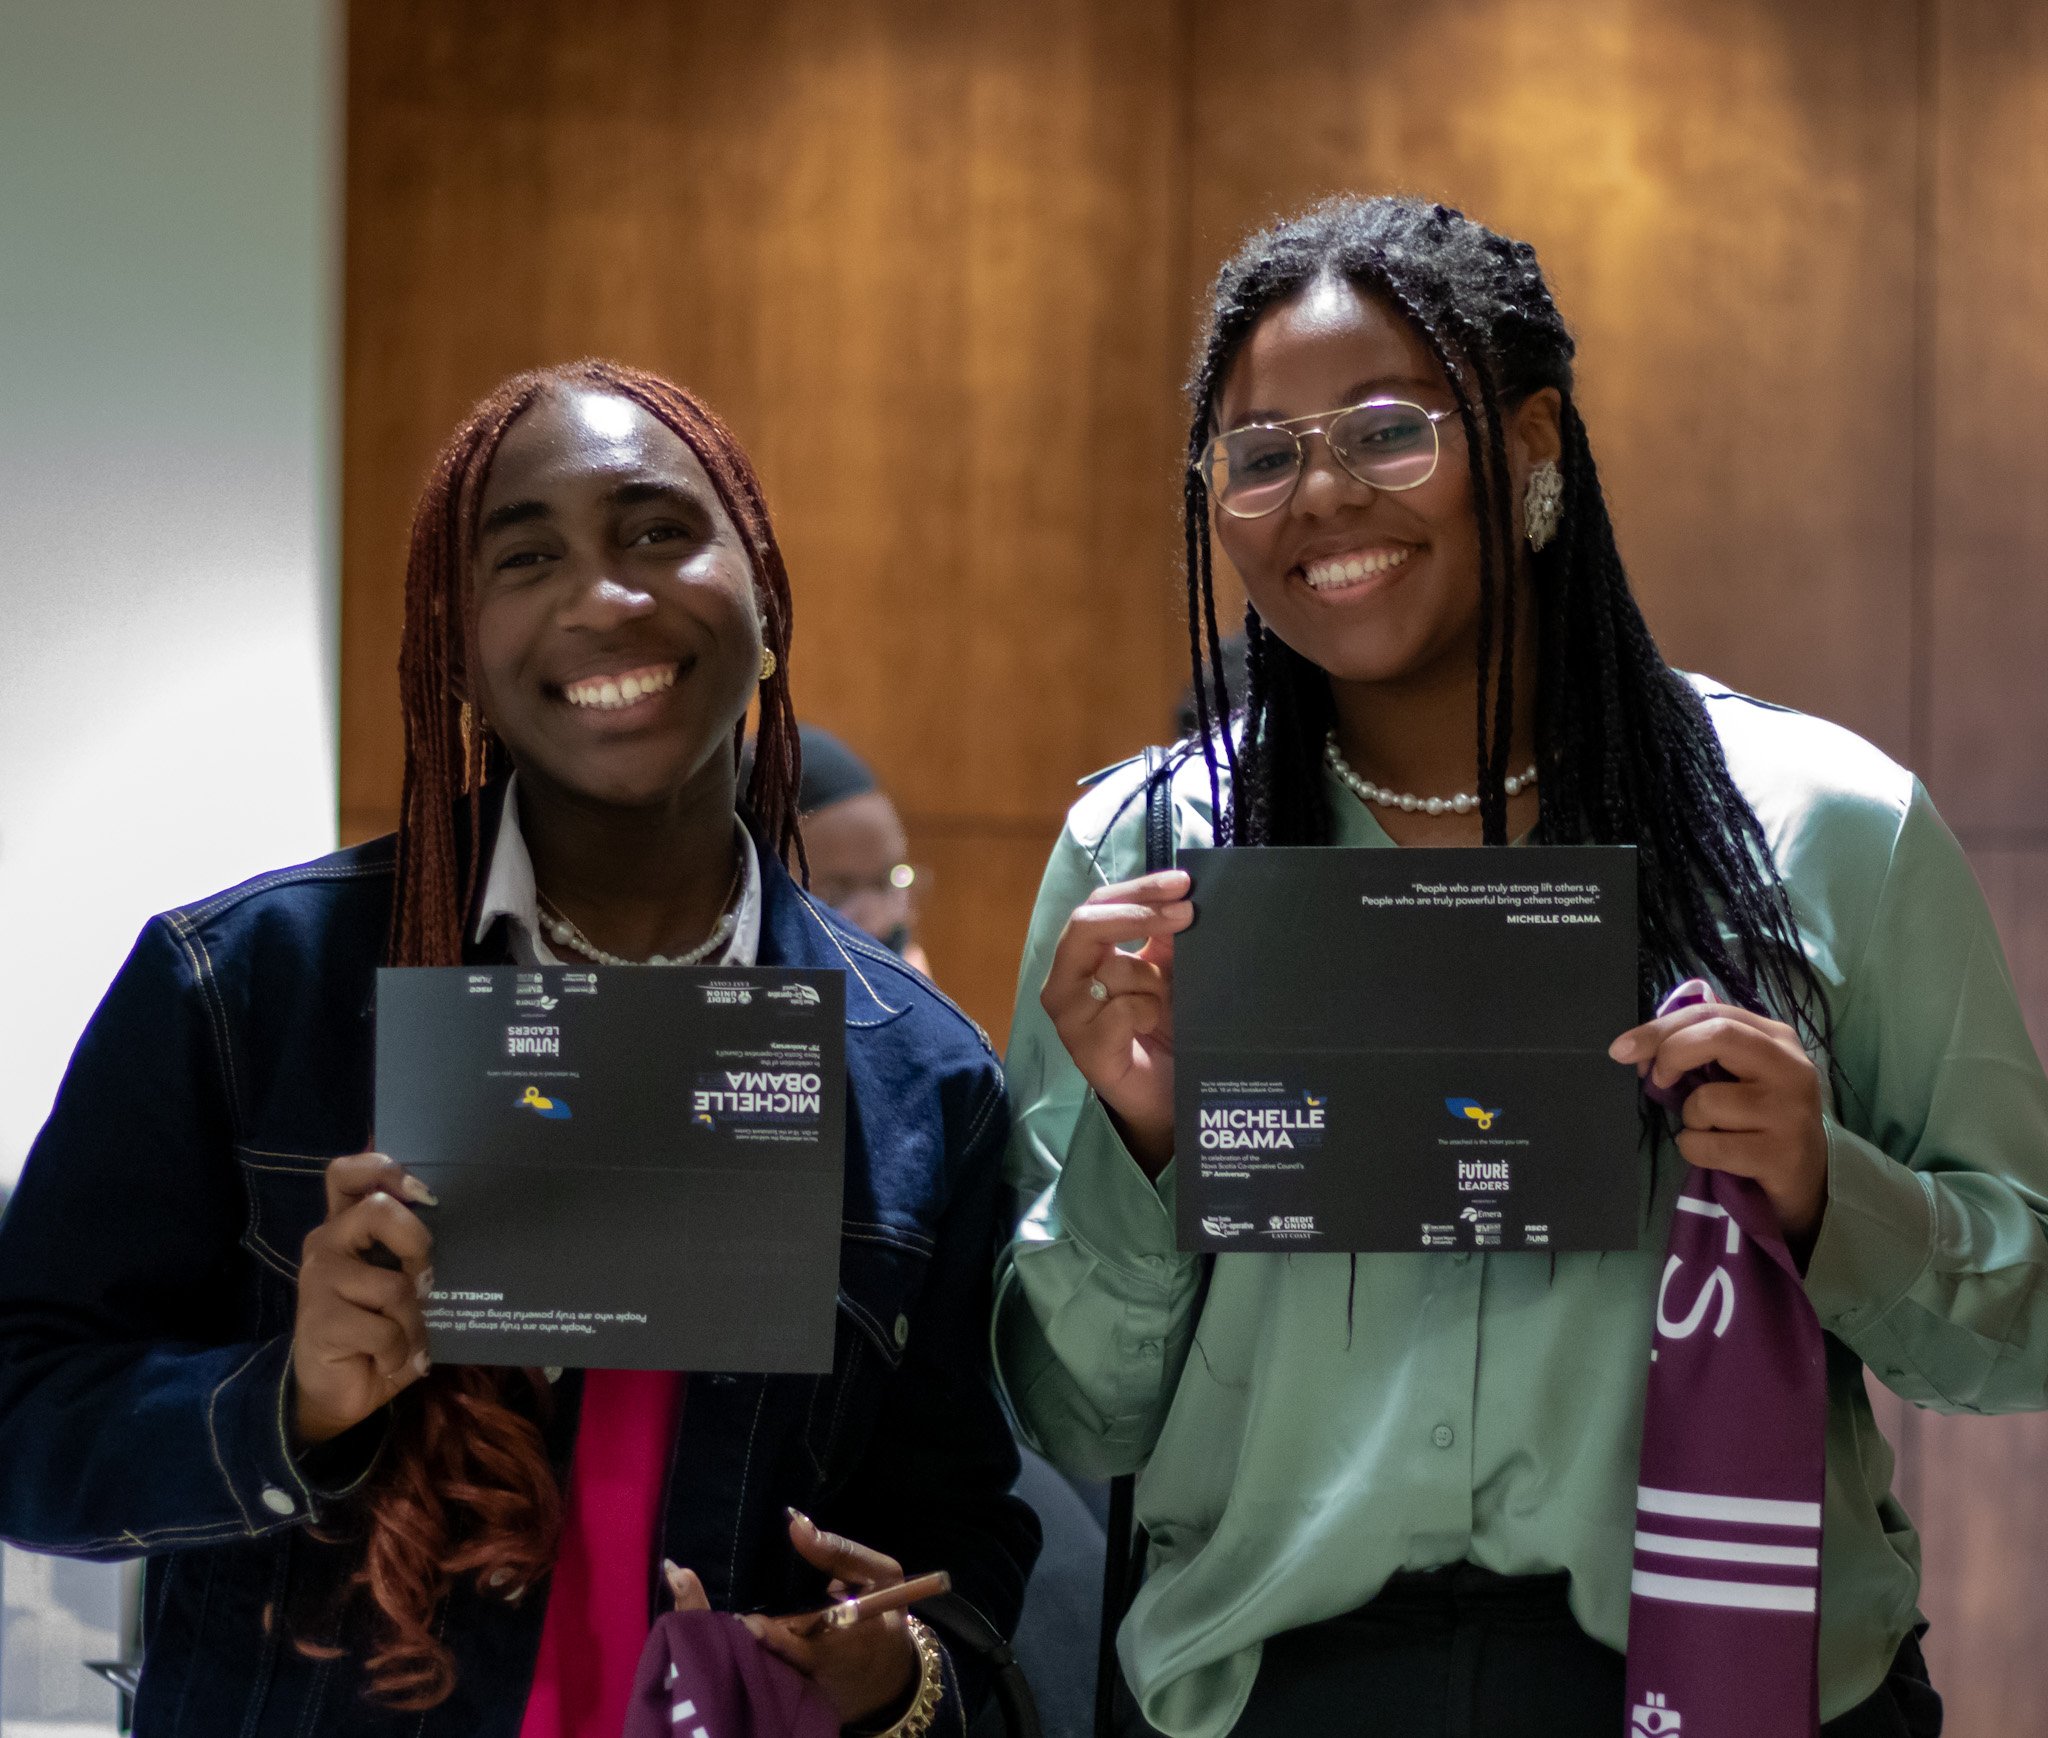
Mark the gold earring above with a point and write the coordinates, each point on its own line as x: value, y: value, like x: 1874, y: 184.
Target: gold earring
x: 767, y: 662
x: 1542, y: 504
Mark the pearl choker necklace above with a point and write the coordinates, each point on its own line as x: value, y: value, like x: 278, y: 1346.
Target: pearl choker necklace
x: 563, y: 930
x: 1368, y: 792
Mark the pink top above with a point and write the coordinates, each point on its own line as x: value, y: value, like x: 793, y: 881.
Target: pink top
x: 597, y: 1599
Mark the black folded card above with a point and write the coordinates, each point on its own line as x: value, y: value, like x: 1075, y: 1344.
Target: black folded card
x: 1406, y: 1049
x: 638, y: 1168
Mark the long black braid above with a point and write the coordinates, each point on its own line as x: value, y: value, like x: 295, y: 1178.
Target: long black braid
x: 1627, y: 752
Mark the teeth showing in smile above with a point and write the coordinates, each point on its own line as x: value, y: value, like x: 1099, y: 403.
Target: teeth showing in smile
x: 1336, y: 570
x: 612, y: 693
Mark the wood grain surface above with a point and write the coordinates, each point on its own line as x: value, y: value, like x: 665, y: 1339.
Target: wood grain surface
x: 1988, y: 742
x: 923, y: 257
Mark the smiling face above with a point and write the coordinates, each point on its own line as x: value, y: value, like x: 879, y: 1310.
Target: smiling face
x: 1376, y: 586
x: 618, y: 639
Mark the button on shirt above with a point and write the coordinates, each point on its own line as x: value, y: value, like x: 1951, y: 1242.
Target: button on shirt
x: 1490, y: 1410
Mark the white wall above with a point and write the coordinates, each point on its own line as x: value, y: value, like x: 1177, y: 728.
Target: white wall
x: 169, y: 180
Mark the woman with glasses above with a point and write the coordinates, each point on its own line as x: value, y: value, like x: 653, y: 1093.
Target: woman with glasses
x: 1397, y: 1493
x: 213, y: 1341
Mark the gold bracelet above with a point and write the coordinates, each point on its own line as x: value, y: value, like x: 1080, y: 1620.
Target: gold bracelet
x: 931, y: 1685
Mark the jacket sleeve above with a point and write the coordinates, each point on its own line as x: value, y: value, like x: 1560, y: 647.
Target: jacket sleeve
x: 935, y: 1478
x: 134, y: 1415
x: 1932, y: 1260
x: 1094, y: 1304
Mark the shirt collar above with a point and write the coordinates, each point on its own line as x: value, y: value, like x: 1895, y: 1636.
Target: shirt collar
x: 510, y: 893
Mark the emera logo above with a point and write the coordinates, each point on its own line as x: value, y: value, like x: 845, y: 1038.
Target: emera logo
x: 554, y: 1109
x: 1472, y: 1108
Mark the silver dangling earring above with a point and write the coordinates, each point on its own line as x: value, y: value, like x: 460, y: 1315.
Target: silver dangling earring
x: 1543, y: 504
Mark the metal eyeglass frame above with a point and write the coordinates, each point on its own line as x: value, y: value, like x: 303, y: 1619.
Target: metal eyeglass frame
x: 1319, y: 424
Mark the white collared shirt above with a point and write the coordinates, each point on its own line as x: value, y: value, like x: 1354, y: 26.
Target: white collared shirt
x: 510, y: 893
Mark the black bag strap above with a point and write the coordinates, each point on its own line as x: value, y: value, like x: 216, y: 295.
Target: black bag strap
x: 1158, y: 812
x: 1123, y: 1556
x: 961, y: 1622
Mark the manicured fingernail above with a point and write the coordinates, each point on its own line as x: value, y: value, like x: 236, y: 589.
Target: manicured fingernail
x: 670, y: 1567
x: 757, y: 1626
x: 1623, y: 1049
x: 421, y: 1363
x: 802, y: 1519
x: 425, y: 1282
x: 414, y: 1190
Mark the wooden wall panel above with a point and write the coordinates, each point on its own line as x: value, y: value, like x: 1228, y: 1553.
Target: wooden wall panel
x: 923, y: 256
x: 1974, y: 1486
x: 1988, y: 766
x: 1979, y: 1492
x: 1982, y: 1508
x: 1722, y: 195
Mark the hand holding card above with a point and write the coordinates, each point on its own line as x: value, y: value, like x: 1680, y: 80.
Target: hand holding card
x: 359, y: 1336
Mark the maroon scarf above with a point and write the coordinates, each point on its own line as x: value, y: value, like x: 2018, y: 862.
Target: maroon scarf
x: 1724, y: 1612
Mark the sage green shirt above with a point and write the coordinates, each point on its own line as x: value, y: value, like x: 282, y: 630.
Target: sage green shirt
x: 1483, y: 1409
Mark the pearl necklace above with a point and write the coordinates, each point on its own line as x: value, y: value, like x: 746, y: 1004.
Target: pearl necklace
x: 1368, y: 792
x: 563, y: 930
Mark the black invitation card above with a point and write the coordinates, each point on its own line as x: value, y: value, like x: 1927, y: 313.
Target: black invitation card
x: 638, y: 1167
x: 1406, y: 1049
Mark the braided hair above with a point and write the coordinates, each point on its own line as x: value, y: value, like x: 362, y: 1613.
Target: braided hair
x: 1628, y: 754
x: 465, y: 1489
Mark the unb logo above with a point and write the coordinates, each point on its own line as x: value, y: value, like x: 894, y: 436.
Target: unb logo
x: 1471, y: 1109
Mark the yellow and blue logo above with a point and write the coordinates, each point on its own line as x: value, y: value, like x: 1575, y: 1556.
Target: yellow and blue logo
x: 555, y: 1109
x: 1471, y: 1108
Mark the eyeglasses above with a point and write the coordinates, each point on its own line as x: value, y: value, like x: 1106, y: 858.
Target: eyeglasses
x: 1387, y: 443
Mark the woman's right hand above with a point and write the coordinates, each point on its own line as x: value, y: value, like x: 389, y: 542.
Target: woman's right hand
x: 1121, y: 1037
x: 361, y: 1335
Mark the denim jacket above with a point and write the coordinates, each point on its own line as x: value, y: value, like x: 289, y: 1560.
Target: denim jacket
x: 148, y: 1264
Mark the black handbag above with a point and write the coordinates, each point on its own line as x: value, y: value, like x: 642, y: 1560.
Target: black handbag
x: 1123, y: 1557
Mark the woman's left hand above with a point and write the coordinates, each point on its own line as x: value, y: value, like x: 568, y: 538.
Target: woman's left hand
x: 1765, y: 1123
x: 862, y: 1669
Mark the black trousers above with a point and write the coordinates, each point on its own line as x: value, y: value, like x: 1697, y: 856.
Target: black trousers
x: 1465, y: 1653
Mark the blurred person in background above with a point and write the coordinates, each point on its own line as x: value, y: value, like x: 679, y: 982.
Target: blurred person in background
x: 855, y: 846
x: 200, y: 1360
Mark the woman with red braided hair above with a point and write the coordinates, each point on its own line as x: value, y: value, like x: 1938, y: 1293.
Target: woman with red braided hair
x: 200, y: 1363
